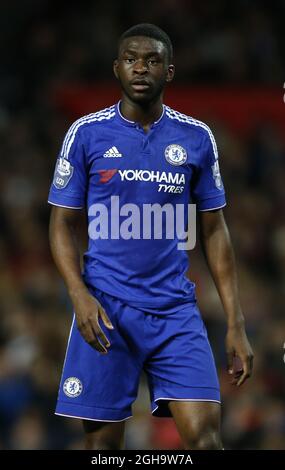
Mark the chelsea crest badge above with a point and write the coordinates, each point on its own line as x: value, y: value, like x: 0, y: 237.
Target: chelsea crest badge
x: 175, y: 154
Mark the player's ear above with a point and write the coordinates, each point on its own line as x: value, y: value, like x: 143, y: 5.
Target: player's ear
x: 115, y: 68
x: 170, y: 73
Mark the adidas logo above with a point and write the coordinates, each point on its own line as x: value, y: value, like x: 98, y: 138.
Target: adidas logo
x: 112, y: 152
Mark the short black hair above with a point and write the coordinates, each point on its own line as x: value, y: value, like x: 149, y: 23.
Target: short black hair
x: 150, y: 31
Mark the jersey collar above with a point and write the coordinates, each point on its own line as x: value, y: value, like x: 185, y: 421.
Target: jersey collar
x: 127, y: 122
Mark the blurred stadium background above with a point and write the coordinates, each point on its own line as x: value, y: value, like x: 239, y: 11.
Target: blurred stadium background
x: 56, y: 60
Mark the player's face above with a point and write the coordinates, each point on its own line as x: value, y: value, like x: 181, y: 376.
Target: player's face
x: 142, y: 68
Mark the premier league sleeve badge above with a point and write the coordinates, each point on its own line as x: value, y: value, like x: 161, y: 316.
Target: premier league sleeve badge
x: 217, y: 175
x: 63, y: 173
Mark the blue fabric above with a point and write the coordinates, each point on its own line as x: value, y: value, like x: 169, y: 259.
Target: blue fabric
x: 176, y: 162
x: 172, y: 349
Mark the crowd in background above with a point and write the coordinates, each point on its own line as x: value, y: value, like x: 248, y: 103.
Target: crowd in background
x: 44, y: 43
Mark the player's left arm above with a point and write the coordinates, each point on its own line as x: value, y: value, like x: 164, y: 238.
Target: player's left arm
x: 219, y: 254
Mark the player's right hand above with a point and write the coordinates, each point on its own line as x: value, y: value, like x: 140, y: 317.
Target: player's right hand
x: 88, y: 310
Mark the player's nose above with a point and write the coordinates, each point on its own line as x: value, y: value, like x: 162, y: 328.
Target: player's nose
x: 140, y: 66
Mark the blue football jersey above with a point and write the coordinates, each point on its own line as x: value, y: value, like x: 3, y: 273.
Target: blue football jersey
x: 115, y: 170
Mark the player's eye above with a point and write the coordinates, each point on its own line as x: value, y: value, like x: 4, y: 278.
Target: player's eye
x: 129, y: 60
x: 153, y: 61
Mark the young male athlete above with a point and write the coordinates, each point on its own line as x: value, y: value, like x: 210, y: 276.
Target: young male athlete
x: 135, y: 309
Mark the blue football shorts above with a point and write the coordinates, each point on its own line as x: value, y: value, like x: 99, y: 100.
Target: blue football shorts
x: 173, y: 350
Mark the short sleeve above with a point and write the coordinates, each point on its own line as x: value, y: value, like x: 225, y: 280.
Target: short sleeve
x: 68, y: 188
x: 207, y: 186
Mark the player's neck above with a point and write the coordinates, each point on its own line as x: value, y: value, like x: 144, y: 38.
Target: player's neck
x: 144, y: 114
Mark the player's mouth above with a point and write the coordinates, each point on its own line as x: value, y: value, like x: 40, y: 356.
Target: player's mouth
x: 140, y: 85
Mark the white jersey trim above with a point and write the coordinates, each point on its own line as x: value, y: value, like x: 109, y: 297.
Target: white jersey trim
x: 183, y: 399
x: 172, y: 114
x: 134, y: 122
x: 92, y: 419
x: 104, y: 114
x: 68, y: 344
x: 212, y: 208
x: 66, y: 207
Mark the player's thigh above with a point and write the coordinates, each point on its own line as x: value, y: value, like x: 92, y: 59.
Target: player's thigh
x: 196, y: 419
x: 104, y: 435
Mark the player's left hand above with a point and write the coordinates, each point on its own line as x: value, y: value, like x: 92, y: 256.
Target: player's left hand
x: 239, y: 354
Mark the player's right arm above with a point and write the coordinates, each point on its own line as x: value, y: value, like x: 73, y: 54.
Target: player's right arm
x: 65, y: 251
x: 68, y: 195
